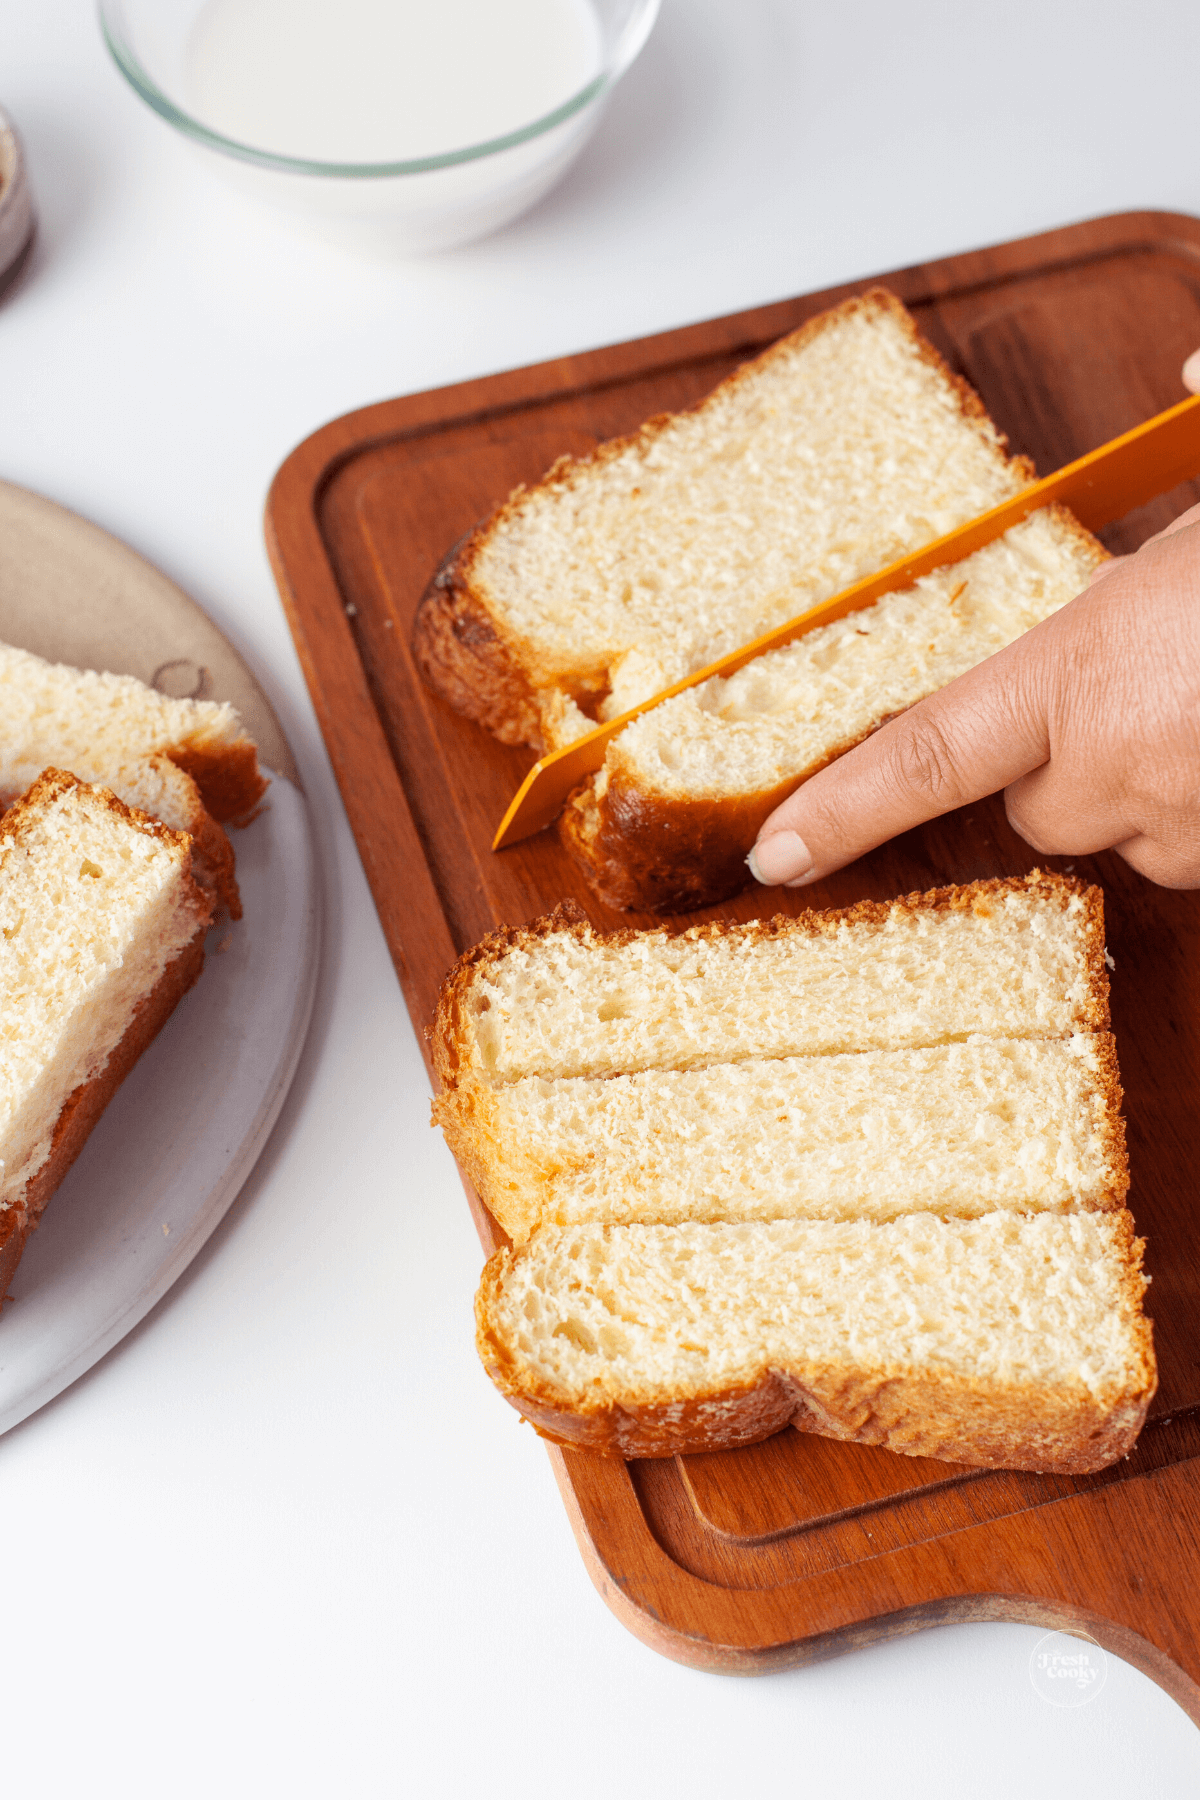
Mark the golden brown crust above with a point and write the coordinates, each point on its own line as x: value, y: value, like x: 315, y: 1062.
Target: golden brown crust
x: 214, y: 861
x: 14, y: 1229
x: 227, y: 775
x: 1085, y: 539
x: 464, y: 648
x: 464, y: 658
x: 84, y: 1106
x: 648, y: 852
x: 1112, y: 1127
x: 466, y: 1115
x: 452, y: 1032
x: 918, y: 1412
x: 51, y: 784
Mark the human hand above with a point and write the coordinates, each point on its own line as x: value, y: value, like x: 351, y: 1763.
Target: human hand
x: 1090, y: 723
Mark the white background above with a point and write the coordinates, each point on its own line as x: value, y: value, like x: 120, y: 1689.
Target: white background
x: 286, y: 1539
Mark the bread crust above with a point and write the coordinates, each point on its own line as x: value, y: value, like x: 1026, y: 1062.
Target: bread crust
x: 1112, y: 1131
x: 918, y: 1412
x: 13, y: 1233
x: 464, y: 647
x: 213, y: 863
x: 464, y: 657
x: 84, y: 1105
x: 227, y: 775
x: 213, y: 860
x: 451, y: 1034
x: 645, y: 850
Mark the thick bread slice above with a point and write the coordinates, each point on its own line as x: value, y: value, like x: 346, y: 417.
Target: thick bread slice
x: 1019, y: 958
x: 187, y: 763
x: 667, y: 823
x: 101, y: 931
x: 106, y: 721
x: 860, y: 1171
x: 838, y: 450
x: 1001, y: 1341
x: 159, y: 787
x: 961, y: 1130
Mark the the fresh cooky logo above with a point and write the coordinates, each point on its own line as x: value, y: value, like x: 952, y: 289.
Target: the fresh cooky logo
x: 1067, y: 1671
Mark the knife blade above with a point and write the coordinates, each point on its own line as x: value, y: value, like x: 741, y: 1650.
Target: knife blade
x: 1099, y: 487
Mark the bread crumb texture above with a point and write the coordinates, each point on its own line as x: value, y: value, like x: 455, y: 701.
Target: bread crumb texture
x: 863, y: 1171
x: 188, y: 763
x: 958, y: 1130
x: 95, y: 901
x: 104, y: 728
x: 844, y: 446
x: 648, y: 1311
x: 94, y: 722
x: 1029, y: 1327
x: 787, y: 712
x: 666, y: 823
x: 1018, y: 959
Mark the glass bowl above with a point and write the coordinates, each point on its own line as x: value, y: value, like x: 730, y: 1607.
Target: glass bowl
x: 416, y: 203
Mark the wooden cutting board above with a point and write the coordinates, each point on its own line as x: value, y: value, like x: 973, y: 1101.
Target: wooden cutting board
x: 798, y: 1547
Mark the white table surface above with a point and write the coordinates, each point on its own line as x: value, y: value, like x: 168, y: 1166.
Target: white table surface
x: 252, y: 1553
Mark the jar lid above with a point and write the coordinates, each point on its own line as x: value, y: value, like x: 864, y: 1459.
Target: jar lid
x: 16, y: 204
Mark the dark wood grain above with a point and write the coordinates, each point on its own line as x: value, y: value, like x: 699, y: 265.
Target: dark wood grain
x: 799, y: 1547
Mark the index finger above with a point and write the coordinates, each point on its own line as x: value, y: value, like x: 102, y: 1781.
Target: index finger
x: 969, y: 739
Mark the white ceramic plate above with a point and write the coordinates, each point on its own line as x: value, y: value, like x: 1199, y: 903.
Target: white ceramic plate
x: 185, y: 1128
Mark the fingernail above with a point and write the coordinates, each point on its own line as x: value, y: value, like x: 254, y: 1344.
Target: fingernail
x: 1191, y: 372
x: 781, y: 860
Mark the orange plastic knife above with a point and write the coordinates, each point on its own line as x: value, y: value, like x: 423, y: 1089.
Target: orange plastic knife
x: 1100, y: 487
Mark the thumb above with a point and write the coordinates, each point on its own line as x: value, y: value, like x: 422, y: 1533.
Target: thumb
x: 969, y: 739
x: 1191, y: 372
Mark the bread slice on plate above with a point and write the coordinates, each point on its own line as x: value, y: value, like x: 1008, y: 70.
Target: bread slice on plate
x: 188, y: 763
x: 101, y: 932
x: 668, y: 821
x: 885, y: 1109
x: 838, y: 450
